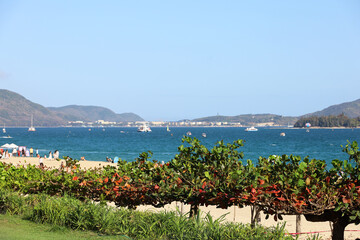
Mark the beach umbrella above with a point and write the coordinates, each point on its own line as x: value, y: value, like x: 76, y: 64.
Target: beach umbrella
x: 307, y: 125
x: 6, y: 146
x: 13, y: 145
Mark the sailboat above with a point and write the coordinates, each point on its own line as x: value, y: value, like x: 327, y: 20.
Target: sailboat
x: 4, y: 130
x: 31, y: 128
x: 167, y: 129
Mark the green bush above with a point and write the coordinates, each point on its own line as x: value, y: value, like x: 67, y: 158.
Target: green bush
x: 70, y: 212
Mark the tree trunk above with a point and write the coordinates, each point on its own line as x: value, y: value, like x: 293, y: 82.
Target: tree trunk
x: 339, y: 222
x: 194, y: 208
x: 338, y: 229
x: 255, y: 215
x: 298, y: 223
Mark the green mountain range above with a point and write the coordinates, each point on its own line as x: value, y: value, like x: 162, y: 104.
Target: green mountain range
x: 93, y: 113
x: 349, y: 109
x: 251, y: 119
x: 15, y: 110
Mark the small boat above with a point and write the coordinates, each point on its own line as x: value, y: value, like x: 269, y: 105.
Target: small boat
x: 204, y: 135
x: 167, y: 129
x: 144, y: 128
x: 6, y: 137
x: 188, y: 133
x: 31, y: 128
x: 251, y: 129
x: 4, y: 129
x: 282, y: 134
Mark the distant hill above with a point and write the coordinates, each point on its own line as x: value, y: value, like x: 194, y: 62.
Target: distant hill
x: 349, y: 109
x: 93, y: 113
x: 251, y: 119
x: 16, y: 110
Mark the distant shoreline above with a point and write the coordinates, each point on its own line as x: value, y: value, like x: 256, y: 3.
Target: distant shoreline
x: 245, y: 126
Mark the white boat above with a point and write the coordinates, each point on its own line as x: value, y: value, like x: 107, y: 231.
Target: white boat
x: 167, y: 129
x: 144, y: 128
x: 188, y: 133
x: 282, y: 134
x: 5, y: 137
x: 204, y: 135
x: 31, y: 128
x: 4, y: 129
x: 251, y: 129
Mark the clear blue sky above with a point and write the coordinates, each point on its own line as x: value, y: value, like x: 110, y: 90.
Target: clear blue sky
x: 171, y: 60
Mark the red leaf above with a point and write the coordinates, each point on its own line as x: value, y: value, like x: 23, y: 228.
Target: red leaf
x: 75, y: 178
x: 327, y: 179
x: 118, y: 181
x: 83, y: 183
x: 106, y: 180
x: 281, y: 199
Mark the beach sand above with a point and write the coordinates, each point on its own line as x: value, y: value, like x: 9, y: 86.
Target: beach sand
x: 236, y: 214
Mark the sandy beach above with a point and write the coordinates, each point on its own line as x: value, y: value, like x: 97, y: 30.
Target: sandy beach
x: 236, y: 214
x: 53, y: 163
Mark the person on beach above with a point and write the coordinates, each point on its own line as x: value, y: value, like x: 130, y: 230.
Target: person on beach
x: 82, y: 158
x: 14, y: 152
x: 41, y: 161
x: 56, y: 154
x: 31, y: 152
x: 50, y: 155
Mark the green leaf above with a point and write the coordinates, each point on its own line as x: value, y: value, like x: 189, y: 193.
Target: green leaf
x: 301, y: 183
x: 302, y: 166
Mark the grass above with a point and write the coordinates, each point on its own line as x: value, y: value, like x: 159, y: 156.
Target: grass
x: 103, y: 222
x: 15, y: 228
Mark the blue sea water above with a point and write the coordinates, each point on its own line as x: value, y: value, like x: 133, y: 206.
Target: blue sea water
x: 127, y: 143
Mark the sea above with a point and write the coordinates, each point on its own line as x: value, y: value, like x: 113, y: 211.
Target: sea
x: 95, y: 144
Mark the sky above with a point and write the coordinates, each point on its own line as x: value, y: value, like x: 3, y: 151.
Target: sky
x: 173, y: 60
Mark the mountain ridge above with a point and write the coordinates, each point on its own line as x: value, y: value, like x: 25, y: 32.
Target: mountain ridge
x: 350, y: 109
x: 16, y: 111
x: 251, y: 119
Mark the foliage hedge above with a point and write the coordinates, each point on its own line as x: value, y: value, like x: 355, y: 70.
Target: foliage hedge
x: 198, y: 176
x: 70, y: 212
